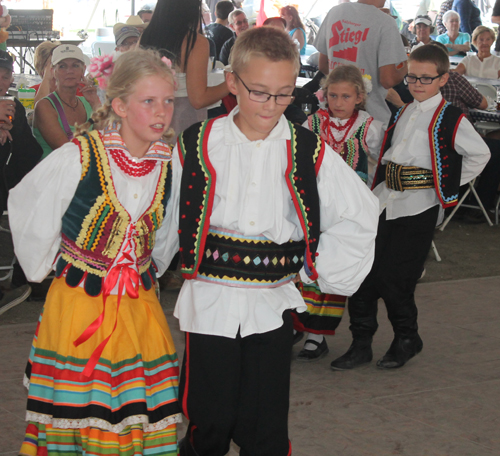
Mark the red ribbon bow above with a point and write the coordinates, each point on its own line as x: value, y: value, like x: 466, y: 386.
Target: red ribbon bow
x: 128, y: 279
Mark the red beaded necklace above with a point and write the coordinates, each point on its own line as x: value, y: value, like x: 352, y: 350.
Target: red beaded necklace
x: 130, y: 167
x: 330, y: 125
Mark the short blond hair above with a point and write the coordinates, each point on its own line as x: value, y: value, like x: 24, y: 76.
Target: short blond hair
x: 350, y: 74
x: 43, y: 53
x: 268, y: 42
x: 480, y: 30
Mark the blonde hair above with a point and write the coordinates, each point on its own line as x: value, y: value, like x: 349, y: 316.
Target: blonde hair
x: 43, y: 54
x: 129, y: 68
x: 271, y: 43
x: 350, y: 74
x: 480, y: 30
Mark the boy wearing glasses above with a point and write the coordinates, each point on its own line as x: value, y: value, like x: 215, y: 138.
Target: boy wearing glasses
x: 429, y: 150
x: 256, y: 193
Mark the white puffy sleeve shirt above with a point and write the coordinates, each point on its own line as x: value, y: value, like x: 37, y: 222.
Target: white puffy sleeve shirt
x: 251, y: 197
x: 38, y: 203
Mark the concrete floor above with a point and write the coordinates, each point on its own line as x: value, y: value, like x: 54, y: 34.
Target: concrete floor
x: 445, y: 402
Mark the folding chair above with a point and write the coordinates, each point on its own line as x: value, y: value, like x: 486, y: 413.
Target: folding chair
x: 460, y: 203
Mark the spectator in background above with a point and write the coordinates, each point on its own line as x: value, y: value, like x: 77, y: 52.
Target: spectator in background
x: 423, y: 30
x: 43, y: 66
x: 238, y: 22
x: 175, y: 29
x: 126, y: 37
x: 56, y: 114
x: 470, y: 15
x: 455, y: 41
x: 218, y: 31
x: 19, y: 153
x: 294, y: 26
x: 484, y: 64
x: 360, y: 34
x: 146, y: 13
x: 445, y: 6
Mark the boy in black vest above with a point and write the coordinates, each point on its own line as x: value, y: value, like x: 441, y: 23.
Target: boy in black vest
x: 256, y: 193
x: 429, y: 150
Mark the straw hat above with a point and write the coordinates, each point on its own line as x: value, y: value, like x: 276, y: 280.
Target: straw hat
x: 132, y: 21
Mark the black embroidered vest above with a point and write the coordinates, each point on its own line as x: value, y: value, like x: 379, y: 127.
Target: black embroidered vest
x: 305, y: 152
x: 446, y: 162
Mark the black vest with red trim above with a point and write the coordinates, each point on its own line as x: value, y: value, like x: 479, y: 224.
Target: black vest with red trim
x: 446, y: 162
x: 305, y: 152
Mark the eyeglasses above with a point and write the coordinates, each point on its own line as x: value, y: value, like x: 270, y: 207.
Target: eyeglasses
x: 424, y: 80
x: 263, y: 97
x: 239, y: 23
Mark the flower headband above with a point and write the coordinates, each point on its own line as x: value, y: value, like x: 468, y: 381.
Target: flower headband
x: 102, y: 66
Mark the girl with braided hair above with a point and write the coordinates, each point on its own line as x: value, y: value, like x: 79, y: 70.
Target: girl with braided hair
x: 102, y: 375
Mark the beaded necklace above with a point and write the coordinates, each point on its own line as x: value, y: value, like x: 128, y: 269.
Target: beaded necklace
x: 330, y: 125
x: 130, y: 167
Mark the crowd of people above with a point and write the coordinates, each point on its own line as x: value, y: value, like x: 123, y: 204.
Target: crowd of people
x: 277, y: 217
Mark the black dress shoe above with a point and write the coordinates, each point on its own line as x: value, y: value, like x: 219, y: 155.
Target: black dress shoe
x: 359, y: 353
x: 400, y: 351
x: 319, y: 352
x: 297, y: 337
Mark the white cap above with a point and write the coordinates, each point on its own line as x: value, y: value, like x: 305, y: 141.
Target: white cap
x: 69, y: 51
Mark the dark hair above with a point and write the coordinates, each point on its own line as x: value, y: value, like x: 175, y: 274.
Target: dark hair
x: 432, y: 54
x: 172, y: 22
x: 275, y: 19
x: 296, y: 22
x: 223, y: 8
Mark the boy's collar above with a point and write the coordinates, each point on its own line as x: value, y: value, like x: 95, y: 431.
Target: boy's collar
x: 430, y: 103
x: 234, y: 136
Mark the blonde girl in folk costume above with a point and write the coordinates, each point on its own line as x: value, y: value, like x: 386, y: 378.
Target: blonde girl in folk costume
x: 354, y: 135
x: 103, y: 372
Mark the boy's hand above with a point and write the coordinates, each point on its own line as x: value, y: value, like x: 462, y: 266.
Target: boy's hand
x: 296, y: 279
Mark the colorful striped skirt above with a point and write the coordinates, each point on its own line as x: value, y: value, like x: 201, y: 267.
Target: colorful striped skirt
x: 128, y: 404
x: 324, y: 311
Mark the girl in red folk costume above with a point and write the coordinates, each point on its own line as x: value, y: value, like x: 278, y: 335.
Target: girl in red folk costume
x: 354, y: 135
x: 103, y: 372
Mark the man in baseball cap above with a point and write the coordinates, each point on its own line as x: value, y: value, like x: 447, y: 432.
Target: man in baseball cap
x: 126, y: 37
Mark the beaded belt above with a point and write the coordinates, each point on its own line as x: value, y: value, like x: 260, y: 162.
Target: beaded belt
x: 235, y: 260
x: 401, y: 178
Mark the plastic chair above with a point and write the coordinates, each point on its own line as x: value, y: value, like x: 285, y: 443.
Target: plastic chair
x: 460, y: 203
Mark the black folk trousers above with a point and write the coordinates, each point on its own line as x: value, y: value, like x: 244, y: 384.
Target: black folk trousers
x: 401, y: 248
x: 237, y: 389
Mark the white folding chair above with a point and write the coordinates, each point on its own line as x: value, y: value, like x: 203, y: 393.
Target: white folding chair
x: 460, y: 203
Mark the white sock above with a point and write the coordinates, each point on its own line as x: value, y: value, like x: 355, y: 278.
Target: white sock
x: 316, y: 337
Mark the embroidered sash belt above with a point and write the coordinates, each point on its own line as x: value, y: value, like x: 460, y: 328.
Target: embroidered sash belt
x: 235, y: 260
x: 401, y: 178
